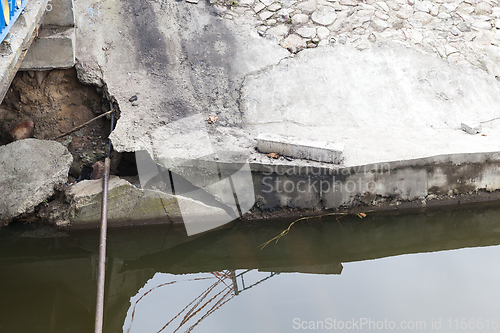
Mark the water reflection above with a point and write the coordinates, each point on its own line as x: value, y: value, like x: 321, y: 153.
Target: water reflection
x: 220, y: 288
x: 48, y: 283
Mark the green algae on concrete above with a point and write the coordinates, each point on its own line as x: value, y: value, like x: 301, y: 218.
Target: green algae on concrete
x: 128, y: 204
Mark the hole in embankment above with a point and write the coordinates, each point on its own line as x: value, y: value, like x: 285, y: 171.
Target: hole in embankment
x: 55, y: 102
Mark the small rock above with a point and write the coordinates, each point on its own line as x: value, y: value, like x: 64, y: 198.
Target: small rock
x: 98, y: 170
x: 324, y: 15
x: 379, y: 25
x: 435, y: 10
x: 481, y: 25
x: 455, y: 31
x: 497, y: 24
x: 293, y: 43
x: 423, y: 6
x: 40, y: 76
x: 283, y: 14
x: 22, y: 130
x: 349, y: 2
x: 444, y: 16
x: 483, y: 8
x: 471, y: 129
x: 274, y: 7
x: 135, y: 103
x: 381, y: 15
x: 448, y: 7
x: 298, y: 19
x: 265, y: 15
x: 132, y: 99
x: 483, y: 39
x: 422, y: 17
x: 307, y: 7
x: 306, y: 32
x: 372, y: 38
x: 323, y: 33
x: 383, y: 6
x: 278, y: 31
x: 405, y: 12
x: 258, y: 7
x: 271, y: 22
x: 192, y: 1
x: 463, y: 27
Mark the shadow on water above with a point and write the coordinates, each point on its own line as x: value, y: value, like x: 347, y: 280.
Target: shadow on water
x: 48, y: 279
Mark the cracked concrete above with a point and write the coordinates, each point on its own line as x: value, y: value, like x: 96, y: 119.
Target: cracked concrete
x: 388, y: 103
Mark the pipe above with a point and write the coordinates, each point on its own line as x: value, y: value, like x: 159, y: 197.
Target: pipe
x: 99, y: 313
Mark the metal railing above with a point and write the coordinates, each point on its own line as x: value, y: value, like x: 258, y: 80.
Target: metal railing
x: 10, y: 11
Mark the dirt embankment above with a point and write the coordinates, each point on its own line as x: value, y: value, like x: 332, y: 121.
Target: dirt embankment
x: 56, y: 102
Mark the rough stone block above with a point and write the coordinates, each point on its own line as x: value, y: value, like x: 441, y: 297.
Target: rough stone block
x: 60, y: 13
x: 54, y: 48
x: 320, y: 151
x: 471, y: 129
x: 30, y: 169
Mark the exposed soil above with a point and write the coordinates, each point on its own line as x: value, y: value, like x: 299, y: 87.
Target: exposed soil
x: 56, y: 102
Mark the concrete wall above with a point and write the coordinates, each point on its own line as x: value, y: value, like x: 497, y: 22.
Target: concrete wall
x: 55, y: 45
x: 278, y: 186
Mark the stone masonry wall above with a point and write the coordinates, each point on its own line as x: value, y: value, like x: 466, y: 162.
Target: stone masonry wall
x: 462, y: 31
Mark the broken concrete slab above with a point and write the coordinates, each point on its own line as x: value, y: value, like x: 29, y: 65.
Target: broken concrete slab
x: 471, y: 129
x: 23, y: 33
x: 189, y: 62
x: 314, y: 150
x: 128, y: 204
x: 53, y: 48
x: 30, y: 169
x: 60, y: 13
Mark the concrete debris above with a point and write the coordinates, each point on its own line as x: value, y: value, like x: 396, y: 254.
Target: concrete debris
x: 30, y: 169
x: 127, y: 203
x: 314, y: 150
x: 294, y: 43
x: 474, y: 129
x: 22, y: 130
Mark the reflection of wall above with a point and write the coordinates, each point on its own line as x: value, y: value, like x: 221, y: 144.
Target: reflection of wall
x: 54, y: 280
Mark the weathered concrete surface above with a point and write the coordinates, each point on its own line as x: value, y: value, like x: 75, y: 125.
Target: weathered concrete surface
x: 60, y: 13
x: 23, y: 33
x: 387, y: 103
x: 180, y: 59
x: 29, y: 171
x: 128, y: 204
x: 314, y: 150
x: 53, y: 48
x: 390, y: 183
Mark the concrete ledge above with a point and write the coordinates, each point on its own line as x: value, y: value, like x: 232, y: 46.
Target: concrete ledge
x: 54, y: 48
x: 320, y: 151
x: 60, y: 12
x: 307, y: 187
x: 23, y: 33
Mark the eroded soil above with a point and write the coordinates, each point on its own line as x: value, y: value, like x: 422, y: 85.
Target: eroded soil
x: 57, y: 102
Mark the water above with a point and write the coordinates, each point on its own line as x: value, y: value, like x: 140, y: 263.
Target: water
x: 432, y: 272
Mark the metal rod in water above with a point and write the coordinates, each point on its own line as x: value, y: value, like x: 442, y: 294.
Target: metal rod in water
x: 99, y: 312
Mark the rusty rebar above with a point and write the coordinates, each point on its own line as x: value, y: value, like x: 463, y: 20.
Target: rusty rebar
x: 99, y: 312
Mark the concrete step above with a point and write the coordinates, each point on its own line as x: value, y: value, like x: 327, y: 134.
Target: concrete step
x: 54, y: 48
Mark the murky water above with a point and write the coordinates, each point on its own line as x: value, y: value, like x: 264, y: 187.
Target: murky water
x: 432, y: 272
